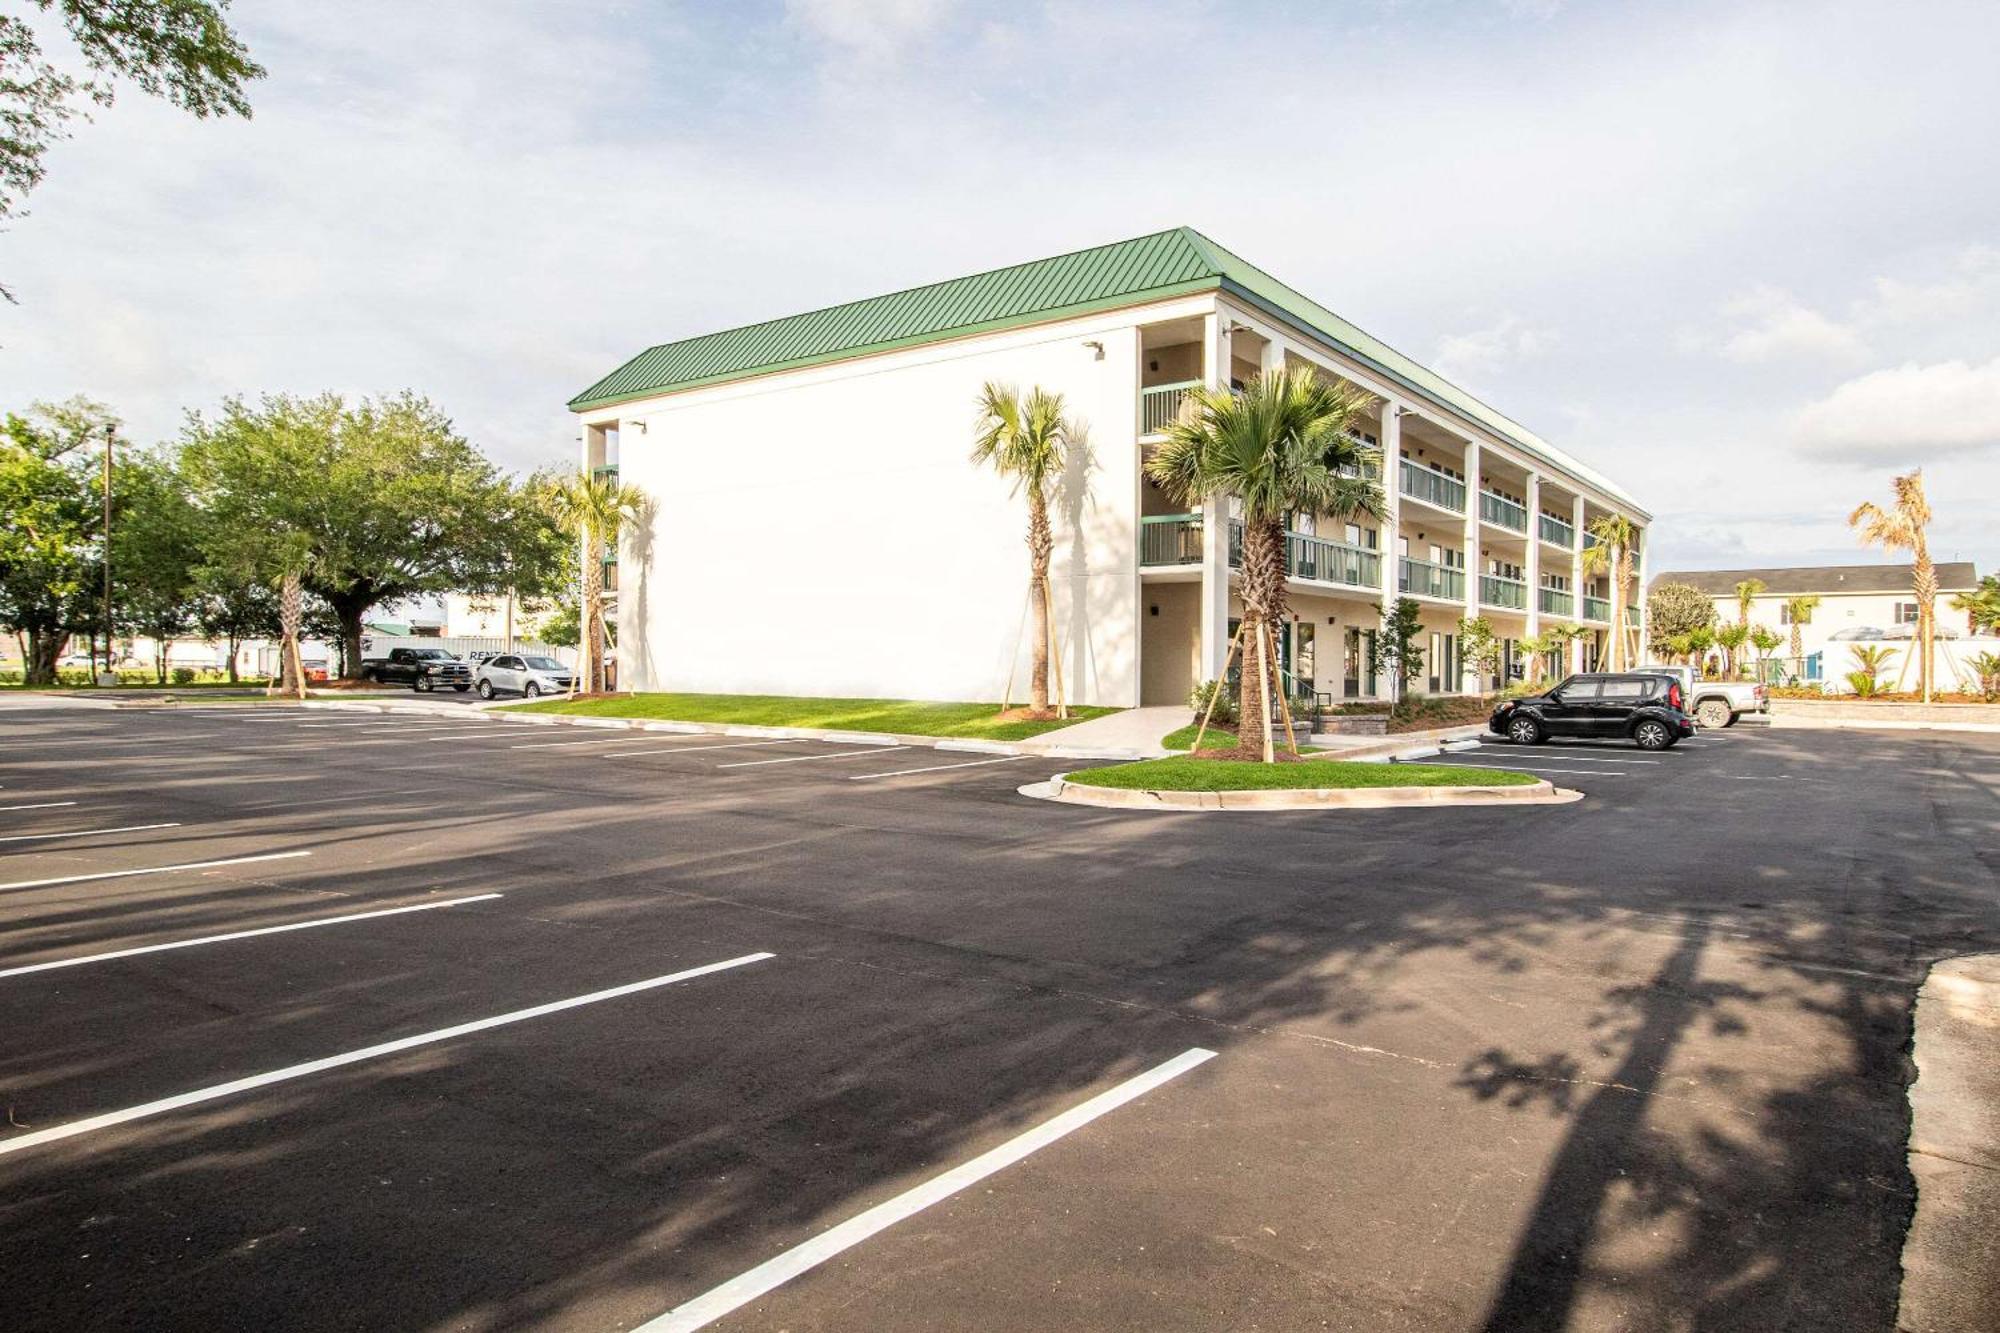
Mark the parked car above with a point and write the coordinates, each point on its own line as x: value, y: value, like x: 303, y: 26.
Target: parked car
x: 1642, y: 707
x: 522, y: 673
x: 422, y: 669
x: 1715, y: 703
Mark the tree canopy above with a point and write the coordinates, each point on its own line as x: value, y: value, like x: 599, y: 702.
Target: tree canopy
x: 51, y: 528
x: 1673, y: 610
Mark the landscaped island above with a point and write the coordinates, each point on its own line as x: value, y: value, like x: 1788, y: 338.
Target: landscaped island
x: 1186, y: 773
x: 906, y: 717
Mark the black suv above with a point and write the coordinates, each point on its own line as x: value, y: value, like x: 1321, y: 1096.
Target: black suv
x: 1645, y: 709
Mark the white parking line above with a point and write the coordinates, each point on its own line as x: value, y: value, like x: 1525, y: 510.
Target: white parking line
x: 684, y: 749
x: 86, y: 833
x: 808, y: 758
x: 241, y: 935
x: 1572, y: 758
x: 149, y: 870
x: 775, y: 1272
x: 570, y: 745
x: 937, y: 768
x: 1538, y: 768
x: 42, y: 805
x: 219, y: 1090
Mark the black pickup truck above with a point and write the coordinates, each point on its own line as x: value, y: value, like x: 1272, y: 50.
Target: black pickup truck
x: 422, y: 669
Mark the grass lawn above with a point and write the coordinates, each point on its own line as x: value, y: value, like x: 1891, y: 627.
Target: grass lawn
x: 1186, y: 773
x: 1224, y: 738
x: 909, y: 717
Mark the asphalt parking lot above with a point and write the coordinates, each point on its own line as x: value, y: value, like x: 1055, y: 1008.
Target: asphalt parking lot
x: 324, y: 1020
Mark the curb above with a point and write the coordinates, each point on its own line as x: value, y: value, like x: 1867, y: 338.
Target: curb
x: 1951, y: 1255
x: 1059, y: 788
x: 488, y: 713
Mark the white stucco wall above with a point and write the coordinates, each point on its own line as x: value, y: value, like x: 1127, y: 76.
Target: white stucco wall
x: 823, y: 532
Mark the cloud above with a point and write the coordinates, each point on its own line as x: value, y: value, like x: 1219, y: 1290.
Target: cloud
x: 1973, y: 287
x: 1471, y: 355
x: 873, y: 30
x: 1908, y: 414
x: 1770, y: 325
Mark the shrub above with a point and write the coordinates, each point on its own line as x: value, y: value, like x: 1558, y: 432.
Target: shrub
x: 1863, y: 683
x: 184, y: 675
x: 1225, y: 708
x: 1986, y: 666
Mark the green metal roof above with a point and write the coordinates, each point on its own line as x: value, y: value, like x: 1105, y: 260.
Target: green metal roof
x: 1144, y: 269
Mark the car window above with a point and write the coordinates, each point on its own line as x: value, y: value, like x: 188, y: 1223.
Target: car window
x: 501, y: 663
x: 1629, y: 690
x: 544, y: 664
x: 1579, y: 691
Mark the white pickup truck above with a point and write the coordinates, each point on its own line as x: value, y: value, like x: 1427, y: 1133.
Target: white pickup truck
x: 1715, y: 703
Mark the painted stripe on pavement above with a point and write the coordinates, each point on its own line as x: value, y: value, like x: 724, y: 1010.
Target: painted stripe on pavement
x: 149, y: 870
x: 88, y: 832
x: 93, y: 1123
x: 41, y: 805
x: 773, y: 1273
x: 808, y: 758
x: 242, y: 935
x: 936, y: 768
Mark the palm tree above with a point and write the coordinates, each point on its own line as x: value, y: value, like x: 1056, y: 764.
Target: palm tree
x: 1536, y: 648
x: 591, y: 508
x: 1746, y: 593
x: 1981, y: 606
x: 1901, y: 528
x: 1799, y: 610
x: 1731, y: 638
x: 1027, y: 440
x: 289, y: 554
x: 1284, y: 445
x: 1612, y: 554
x: 1766, y: 641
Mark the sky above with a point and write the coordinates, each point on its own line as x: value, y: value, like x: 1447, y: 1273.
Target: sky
x: 1743, y: 258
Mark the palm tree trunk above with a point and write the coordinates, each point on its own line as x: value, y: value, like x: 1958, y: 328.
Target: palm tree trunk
x: 1263, y: 600
x: 592, y: 673
x: 1041, y: 541
x: 291, y: 612
x: 1925, y: 579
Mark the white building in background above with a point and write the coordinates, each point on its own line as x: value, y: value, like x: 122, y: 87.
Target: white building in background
x: 495, y: 616
x: 1858, y: 604
x: 819, y: 530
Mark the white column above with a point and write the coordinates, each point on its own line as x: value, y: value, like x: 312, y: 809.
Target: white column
x: 1576, y: 571
x: 1639, y: 597
x: 1215, y: 519
x: 1392, y: 511
x: 1472, y: 564
x: 1533, y: 571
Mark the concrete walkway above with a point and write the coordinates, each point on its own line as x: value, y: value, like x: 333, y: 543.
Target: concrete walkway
x: 1135, y: 729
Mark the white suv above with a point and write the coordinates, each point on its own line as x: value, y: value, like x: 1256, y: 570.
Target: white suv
x: 517, y: 673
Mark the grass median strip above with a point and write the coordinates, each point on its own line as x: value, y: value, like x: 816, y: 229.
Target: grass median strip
x: 1185, y: 773
x: 906, y: 717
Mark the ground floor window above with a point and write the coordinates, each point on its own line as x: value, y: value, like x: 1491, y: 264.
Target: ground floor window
x: 1357, y: 664
x: 1443, y: 662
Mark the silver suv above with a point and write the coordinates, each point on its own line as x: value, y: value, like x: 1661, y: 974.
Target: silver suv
x: 522, y: 673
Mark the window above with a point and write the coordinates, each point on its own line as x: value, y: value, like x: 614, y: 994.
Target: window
x: 1624, y: 690
x: 1578, y: 692
x: 1906, y: 613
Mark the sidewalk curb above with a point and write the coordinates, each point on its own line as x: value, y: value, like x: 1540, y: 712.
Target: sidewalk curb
x: 1059, y: 788
x: 504, y: 714
x: 1951, y: 1255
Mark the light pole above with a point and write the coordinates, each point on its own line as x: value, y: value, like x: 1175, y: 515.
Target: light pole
x: 110, y: 433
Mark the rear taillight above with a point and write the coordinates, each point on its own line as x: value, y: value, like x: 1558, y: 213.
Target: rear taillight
x: 1674, y: 695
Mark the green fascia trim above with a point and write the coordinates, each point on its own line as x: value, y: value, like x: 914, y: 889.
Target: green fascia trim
x: 914, y: 340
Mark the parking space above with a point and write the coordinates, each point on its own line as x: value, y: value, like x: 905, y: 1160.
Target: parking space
x: 328, y: 1021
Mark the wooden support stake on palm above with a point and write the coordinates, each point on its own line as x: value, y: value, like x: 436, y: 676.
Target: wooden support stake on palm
x: 1055, y: 652
x: 1221, y: 682
x: 1284, y: 703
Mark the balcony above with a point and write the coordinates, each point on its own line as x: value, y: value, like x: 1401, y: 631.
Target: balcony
x: 1596, y: 608
x: 1433, y: 488
x: 1421, y: 578
x: 1502, y: 512
x: 1557, y: 533
x: 1556, y: 602
x: 1160, y: 404
x: 1166, y: 540
x: 609, y: 470
x: 1507, y: 594
x: 1170, y: 539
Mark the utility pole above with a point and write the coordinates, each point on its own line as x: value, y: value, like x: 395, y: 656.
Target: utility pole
x: 110, y: 432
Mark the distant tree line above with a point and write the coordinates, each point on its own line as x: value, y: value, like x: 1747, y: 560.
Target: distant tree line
x: 362, y: 503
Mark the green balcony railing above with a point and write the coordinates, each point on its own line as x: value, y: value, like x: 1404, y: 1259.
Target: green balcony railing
x: 1556, y: 532
x: 1556, y: 602
x: 1421, y: 578
x: 1323, y: 561
x: 1433, y: 488
x: 1596, y: 608
x: 607, y: 470
x: 1632, y: 615
x: 1507, y: 594
x: 1170, y: 539
x: 1502, y: 512
x: 1160, y: 404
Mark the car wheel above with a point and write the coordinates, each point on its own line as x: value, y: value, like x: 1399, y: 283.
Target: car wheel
x: 1734, y: 718
x: 1712, y: 712
x: 1524, y: 731
x: 486, y: 689
x: 422, y: 685
x: 533, y: 691
x: 1652, y: 735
